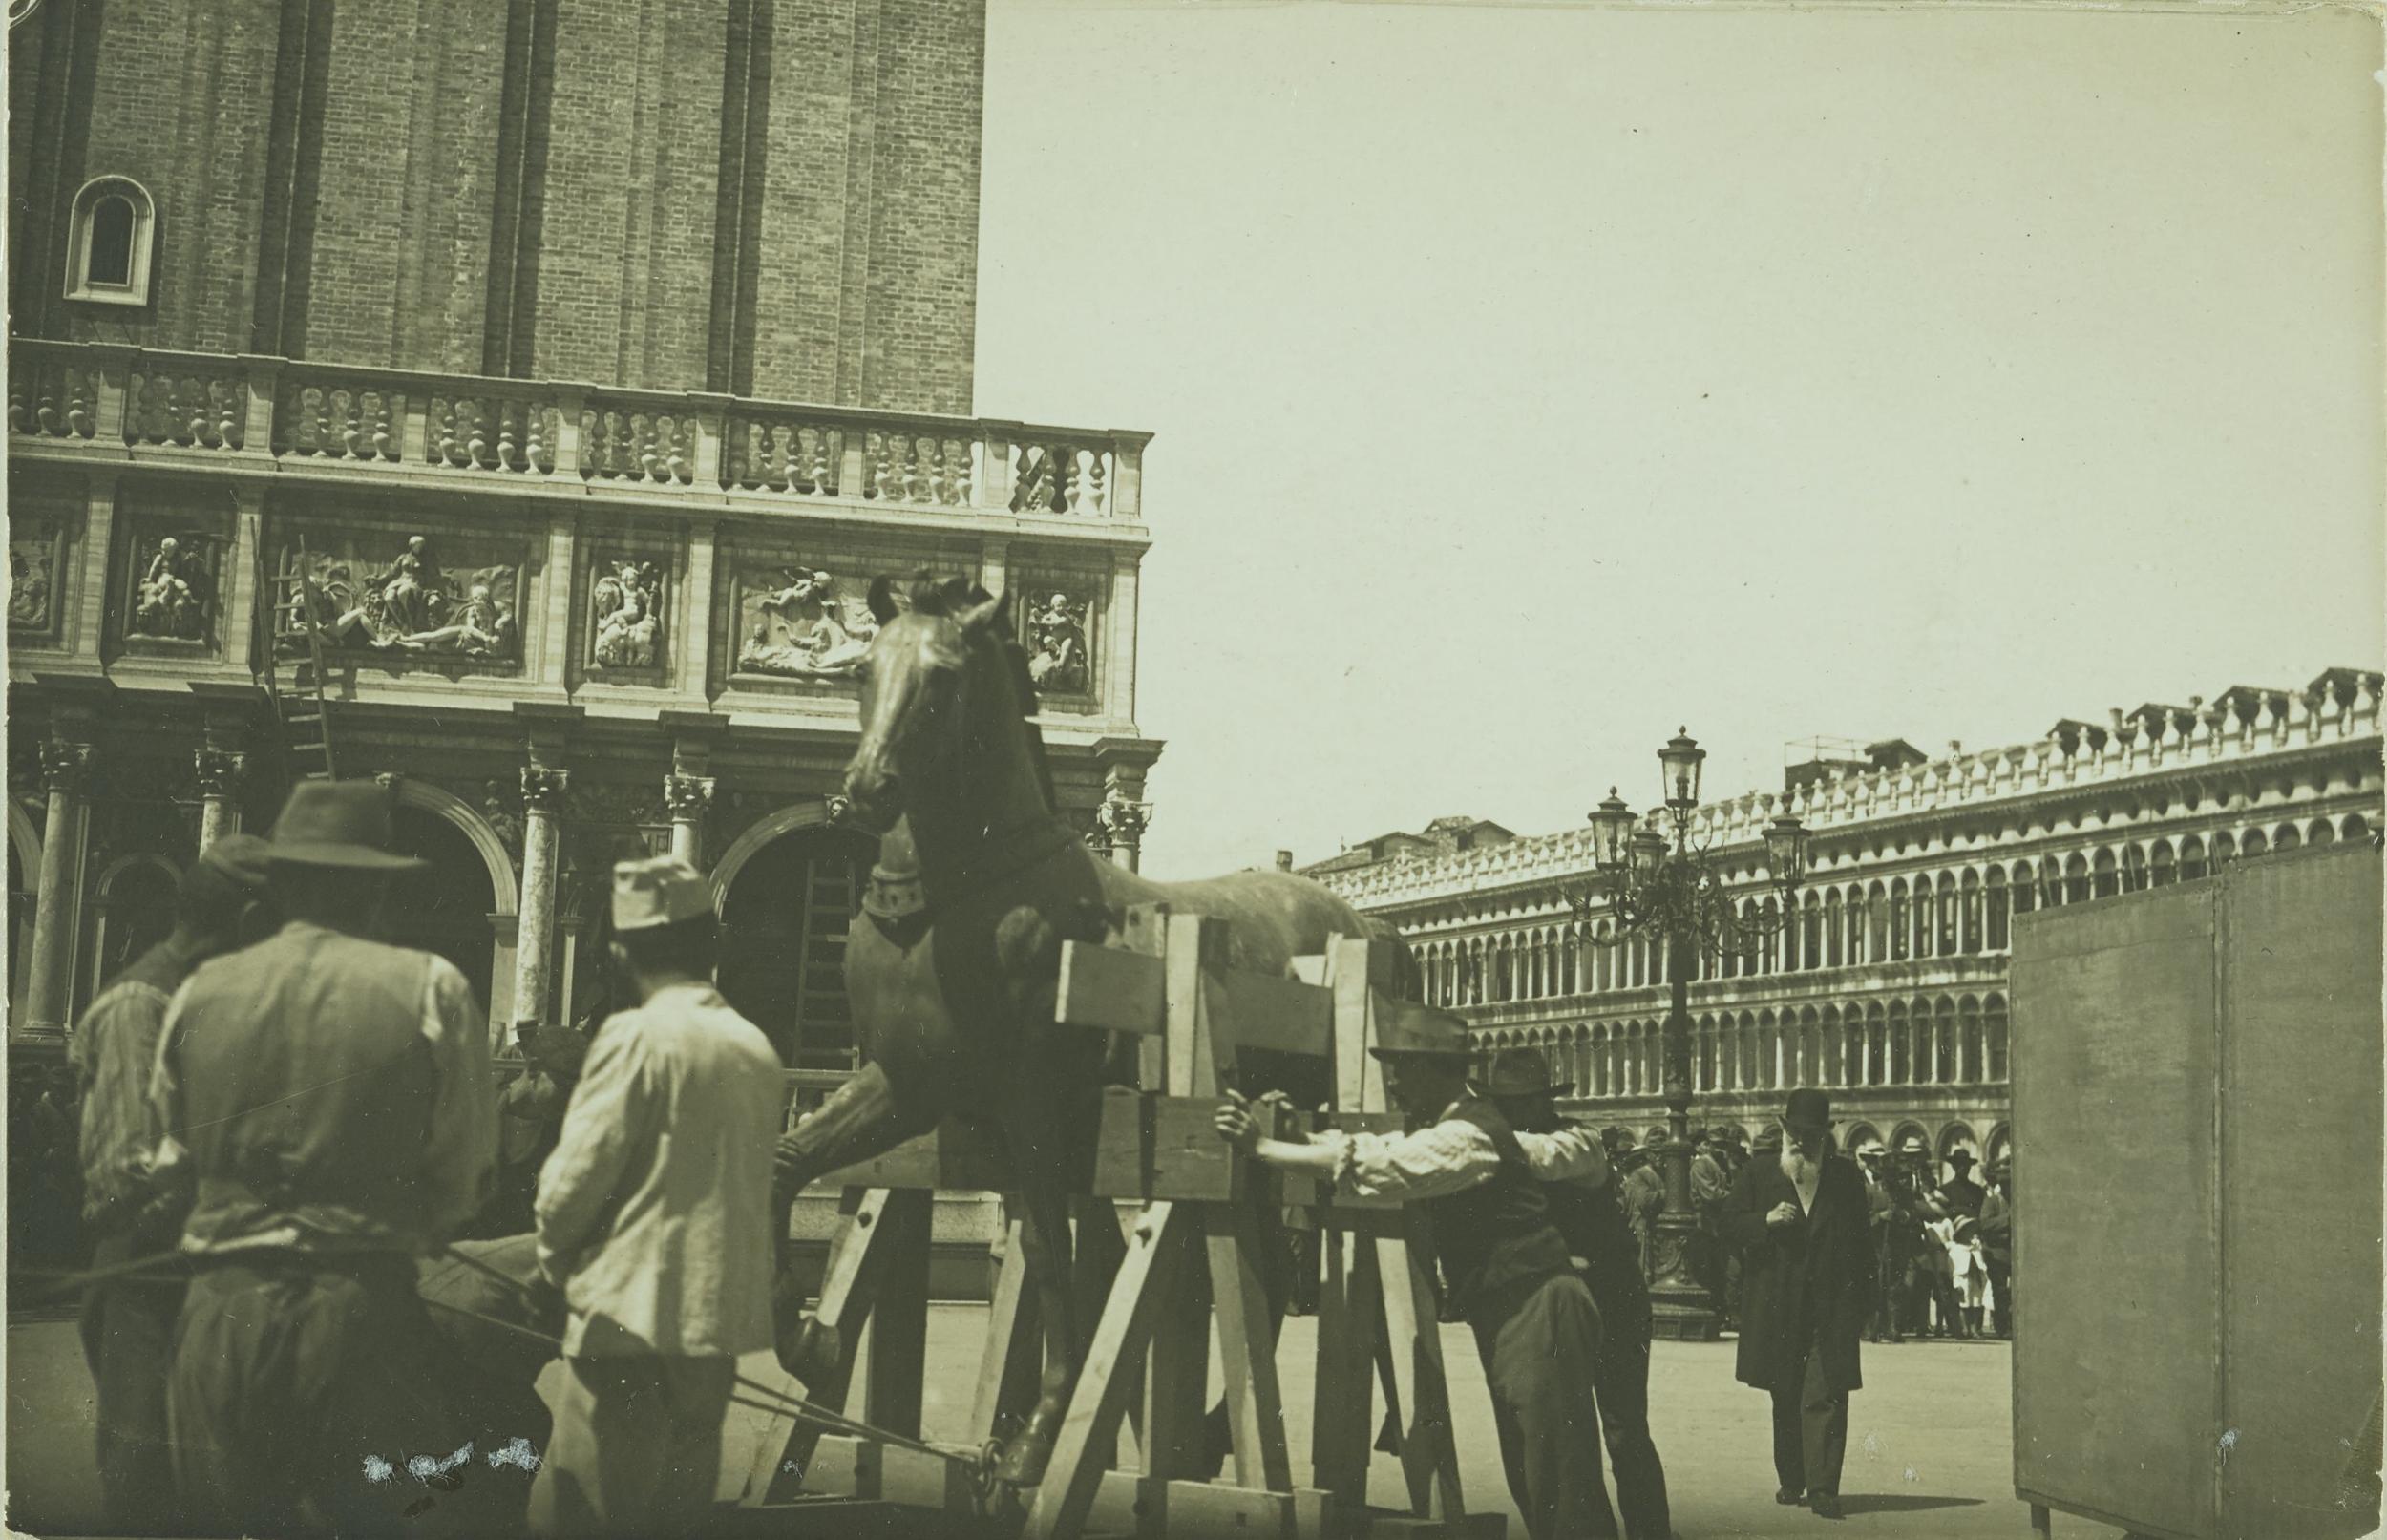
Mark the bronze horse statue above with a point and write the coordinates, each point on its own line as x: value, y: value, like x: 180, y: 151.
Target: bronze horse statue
x: 952, y: 968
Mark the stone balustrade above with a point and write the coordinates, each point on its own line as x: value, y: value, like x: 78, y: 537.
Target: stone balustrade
x: 2241, y: 723
x: 529, y: 432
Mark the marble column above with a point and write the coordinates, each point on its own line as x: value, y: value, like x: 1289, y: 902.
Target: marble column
x: 220, y: 772
x: 689, y: 798
x: 543, y: 789
x: 57, y: 906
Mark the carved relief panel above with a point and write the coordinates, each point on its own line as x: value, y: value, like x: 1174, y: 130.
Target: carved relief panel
x: 173, y: 568
x: 799, y: 616
x: 1060, y: 617
x: 36, y: 576
x: 46, y: 516
x: 408, y: 595
x: 627, y: 636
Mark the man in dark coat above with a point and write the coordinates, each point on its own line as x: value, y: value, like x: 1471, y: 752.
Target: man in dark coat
x: 1801, y: 1222
x: 1960, y: 1193
x: 1997, y: 1243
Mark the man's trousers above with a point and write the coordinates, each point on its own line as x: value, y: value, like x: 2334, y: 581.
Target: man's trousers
x: 1811, y: 1430
x: 1540, y: 1346
x: 302, y: 1386
x: 1623, y: 1382
x: 128, y: 1341
x: 637, y: 1446
x: 2002, y: 1293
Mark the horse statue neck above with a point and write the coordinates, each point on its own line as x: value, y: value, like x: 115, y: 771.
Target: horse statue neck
x: 993, y: 812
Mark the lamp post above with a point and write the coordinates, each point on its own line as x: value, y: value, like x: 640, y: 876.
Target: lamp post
x: 1659, y: 888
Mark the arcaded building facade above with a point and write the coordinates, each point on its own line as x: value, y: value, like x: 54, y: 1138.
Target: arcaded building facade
x: 570, y: 367
x: 1887, y: 981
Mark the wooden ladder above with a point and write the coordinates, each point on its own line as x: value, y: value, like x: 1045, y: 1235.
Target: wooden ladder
x: 302, y: 712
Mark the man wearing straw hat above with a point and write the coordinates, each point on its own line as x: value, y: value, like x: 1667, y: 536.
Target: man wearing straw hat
x: 128, y: 1324
x: 1800, y: 1219
x: 655, y: 1218
x: 331, y: 1097
x: 1508, y: 1267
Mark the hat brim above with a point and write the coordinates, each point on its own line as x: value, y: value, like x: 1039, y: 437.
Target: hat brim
x: 1824, y: 1127
x: 342, y: 856
x: 1562, y: 1089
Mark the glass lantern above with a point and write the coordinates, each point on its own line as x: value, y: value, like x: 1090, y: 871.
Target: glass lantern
x: 1681, y: 758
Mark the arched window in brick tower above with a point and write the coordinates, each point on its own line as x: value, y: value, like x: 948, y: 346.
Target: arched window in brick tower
x: 108, y: 253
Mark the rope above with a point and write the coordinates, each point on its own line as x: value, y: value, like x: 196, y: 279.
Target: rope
x: 70, y: 1282
x: 793, y: 1407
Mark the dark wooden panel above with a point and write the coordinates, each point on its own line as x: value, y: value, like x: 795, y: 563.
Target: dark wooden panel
x: 2115, y: 1390
x: 2300, y: 1151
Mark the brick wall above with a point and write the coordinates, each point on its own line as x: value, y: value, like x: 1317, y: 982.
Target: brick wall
x: 864, y: 271
x: 408, y: 156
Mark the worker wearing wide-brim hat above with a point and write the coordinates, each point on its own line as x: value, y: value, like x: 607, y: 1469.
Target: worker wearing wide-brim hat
x: 1506, y: 1266
x: 332, y: 1096
x: 654, y: 1216
x: 1801, y: 1219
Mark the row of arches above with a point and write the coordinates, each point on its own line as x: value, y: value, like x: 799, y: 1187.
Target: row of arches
x: 1957, y: 911
x: 1920, y: 1040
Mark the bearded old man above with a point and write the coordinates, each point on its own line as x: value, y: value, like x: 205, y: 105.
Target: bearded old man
x: 1801, y: 1222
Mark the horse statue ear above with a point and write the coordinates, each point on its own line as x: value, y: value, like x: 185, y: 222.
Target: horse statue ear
x: 981, y: 616
x: 884, y: 603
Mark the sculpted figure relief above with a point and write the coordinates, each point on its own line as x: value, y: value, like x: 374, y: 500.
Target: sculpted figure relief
x: 413, y: 606
x: 623, y: 606
x: 1059, y: 665
x: 801, y: 624
x: 175, y: 591
x: 28, y: 583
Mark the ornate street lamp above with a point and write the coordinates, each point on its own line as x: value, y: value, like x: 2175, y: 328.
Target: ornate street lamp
x: 1663, y: 890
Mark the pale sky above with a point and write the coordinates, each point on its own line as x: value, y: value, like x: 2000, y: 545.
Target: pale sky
x: 1529, y: 382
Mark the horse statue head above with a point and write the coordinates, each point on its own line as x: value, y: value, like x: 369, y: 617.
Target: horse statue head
x: 945, y: 692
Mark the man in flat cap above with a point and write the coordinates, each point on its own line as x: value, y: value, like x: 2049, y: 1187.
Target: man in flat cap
x: 1800, y: 1221
x: 332, y: 1096
x: 655, y: 1218
x: 1506, y: 1266
x: 128, y: 1324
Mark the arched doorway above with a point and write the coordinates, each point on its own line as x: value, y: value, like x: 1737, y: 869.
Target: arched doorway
x: 783, y: 924
x: 133, y: 913
x: 445, y: 909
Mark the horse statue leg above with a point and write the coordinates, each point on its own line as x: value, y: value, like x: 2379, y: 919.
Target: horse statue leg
x: 867, y: 1117
x: 1045, y: 1126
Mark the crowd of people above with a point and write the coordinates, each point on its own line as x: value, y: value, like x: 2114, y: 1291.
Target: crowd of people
x: 279, y: 1123
x: 286, y: 1120
x: 1943, y: 1248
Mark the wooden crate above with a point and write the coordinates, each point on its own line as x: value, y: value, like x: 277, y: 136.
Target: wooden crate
x: 2197, y: 1122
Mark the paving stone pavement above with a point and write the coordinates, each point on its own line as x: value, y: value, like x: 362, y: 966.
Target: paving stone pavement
x: 1929, y: 1437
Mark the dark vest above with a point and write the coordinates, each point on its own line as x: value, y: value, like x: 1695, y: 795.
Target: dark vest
x: 1592, y: 1221
x: 1499, y: 1234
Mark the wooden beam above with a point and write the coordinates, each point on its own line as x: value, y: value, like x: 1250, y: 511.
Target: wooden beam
x: 1112, y: 990
x: 1246, y: 1349
x: 1162, y: 1241
x: 1115, y: 990
x: 1430, y: 1459
x: 898, y: 1316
